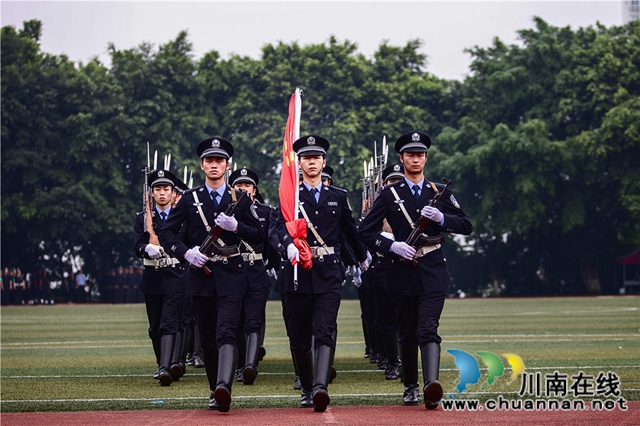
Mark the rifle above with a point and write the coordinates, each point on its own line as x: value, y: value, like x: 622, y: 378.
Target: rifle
x: 147, y: 202
x: 416, y: 238
x: 212, y: 246
x: 372, y: 180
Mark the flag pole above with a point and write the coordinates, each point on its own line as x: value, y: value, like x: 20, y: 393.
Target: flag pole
x: 296, y: 136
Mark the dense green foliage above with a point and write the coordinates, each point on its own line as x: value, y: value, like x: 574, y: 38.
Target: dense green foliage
x: 542, y: 141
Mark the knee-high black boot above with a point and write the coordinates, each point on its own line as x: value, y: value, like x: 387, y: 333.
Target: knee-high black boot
x: 409, y: 358
x: 367, y: 339
x: 251, y: 361
x: 177, y: 365
x: 261, y: 350
x: 296, y: 383
x: 156, y: 351
x: 394, y: 366
x: 210, y: 361
x: 324, y: 356
x: 430, y: 370
x: 166, y: 351
x: 304, y: 367
x: 241, y: 339
x: 198, y: 361
x: 227, y: 358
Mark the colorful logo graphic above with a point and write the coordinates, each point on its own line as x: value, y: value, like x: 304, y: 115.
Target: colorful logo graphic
x: 470, y: 370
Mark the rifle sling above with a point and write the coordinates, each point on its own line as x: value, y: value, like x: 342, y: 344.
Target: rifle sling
x: 406, y: 215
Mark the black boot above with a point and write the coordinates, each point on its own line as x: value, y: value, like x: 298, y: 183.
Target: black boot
x: 156, y: 351
x: 210, y: 364
x: 409, y: 358
x: 394, y: 366
x: 304, y: 367
x: 166, y: 351
x: 261, y: 350
x: 382, y: 356
x: 227, y: 358
x: 251, y: 361
x: 367, y: 342
x: 241, y: 340
x: 430, y: 370
x: 198, y: 361
x: 177, y: 365
x: 323, y: 370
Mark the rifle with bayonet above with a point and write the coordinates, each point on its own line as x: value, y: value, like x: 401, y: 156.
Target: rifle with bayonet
x: 147, y: 202
x: 372, y: 180
x: 417, y: 238
x: 212, y: 245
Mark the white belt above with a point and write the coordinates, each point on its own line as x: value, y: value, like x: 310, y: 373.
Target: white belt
x: 321, y: 251
x: 163, y: 262
x: 424, y: 250
x: 251, y: 257
x: 218, y: 258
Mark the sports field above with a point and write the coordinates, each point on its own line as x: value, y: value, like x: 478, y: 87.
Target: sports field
x: 99, y: 357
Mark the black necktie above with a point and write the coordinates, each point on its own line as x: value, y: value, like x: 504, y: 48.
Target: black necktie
x: 314, y: 191
x: 416, y: 192
x: 163, y: 216
x: 214, y: 198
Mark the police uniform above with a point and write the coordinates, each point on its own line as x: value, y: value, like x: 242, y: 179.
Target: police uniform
x: 257, y: 287
x: 217, y: 298
x: 385, y: 322
x: 312, y: 306
x: 418, y: 292
x: 162, y: 285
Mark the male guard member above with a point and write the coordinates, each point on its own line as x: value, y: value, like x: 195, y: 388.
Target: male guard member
x: 215, y: 281
x: 312, y: 305
x: 257, y: 290
x: 418, y: 277
x: 163, y: 277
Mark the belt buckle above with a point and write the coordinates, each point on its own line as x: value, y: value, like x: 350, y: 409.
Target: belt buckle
x: 162, y: 262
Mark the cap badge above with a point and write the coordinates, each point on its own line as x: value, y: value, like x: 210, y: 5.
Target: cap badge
x: 311, y: 140
x: 243, y: 172
x: 415, y: 137
x: 160, y: 173
x: 215, y: 143
x: 396, y: 168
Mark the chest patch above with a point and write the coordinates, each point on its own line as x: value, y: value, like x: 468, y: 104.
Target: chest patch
x: 332, y: 203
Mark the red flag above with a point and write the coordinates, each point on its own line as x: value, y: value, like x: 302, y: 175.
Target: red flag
x: 288, y: 190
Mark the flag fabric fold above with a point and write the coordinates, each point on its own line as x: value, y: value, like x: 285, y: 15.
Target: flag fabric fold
x: 288, y: 190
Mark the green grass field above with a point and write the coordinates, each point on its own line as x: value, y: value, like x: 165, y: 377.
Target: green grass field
x: 99, y: 357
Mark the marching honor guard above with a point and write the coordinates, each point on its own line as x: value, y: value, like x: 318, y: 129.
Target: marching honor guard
x: 312, y: 301
x: 217, y: 277
x: 257, y: 288
x: 418, y: 277
x: 163, y: 276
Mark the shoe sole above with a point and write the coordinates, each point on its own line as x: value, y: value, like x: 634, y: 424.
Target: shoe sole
x: 249, y: 375
x: 223, y: 398
x: 432, y: 394
x: 321, y: 400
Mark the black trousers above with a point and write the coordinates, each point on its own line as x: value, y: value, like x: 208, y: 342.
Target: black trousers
x: 312, y: 315
x: 386, y: 321
x: 217, y: 319
x: 163, y: 312
x: 419, y: 318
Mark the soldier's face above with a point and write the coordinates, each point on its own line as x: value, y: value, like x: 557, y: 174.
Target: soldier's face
x: 162, y: 194
x: 247, y: 187
x: 214, y: 167
x: 414, y: 162
x: 312, y: 165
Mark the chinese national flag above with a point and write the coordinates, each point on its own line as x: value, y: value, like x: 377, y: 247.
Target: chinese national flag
x: 288, y: 191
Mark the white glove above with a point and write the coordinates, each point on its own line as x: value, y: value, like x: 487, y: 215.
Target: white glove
x: 364, y: 265
x: 272, y: 273
x: 228, y: 223
x: 293, y: 252
x: 432, y: 213
x: 357, y: 278
x: 196, y: 258
x: 351, y: 270
x: 154, y: 251
x: 403, y: 249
